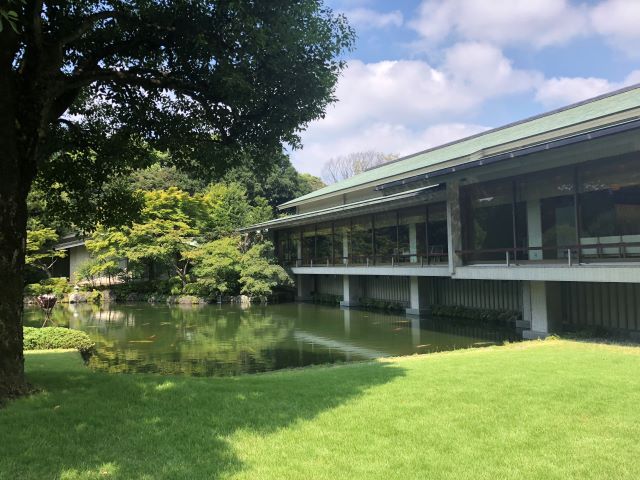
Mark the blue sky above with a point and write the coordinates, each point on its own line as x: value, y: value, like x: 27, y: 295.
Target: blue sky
x: 425, y: 72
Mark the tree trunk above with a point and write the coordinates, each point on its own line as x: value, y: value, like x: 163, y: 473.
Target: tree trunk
x: 17, y: 175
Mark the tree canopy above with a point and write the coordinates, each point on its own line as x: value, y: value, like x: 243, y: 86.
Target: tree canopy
x: 90, y: 88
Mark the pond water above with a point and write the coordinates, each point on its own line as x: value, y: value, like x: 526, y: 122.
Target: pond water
x: 219, y: 340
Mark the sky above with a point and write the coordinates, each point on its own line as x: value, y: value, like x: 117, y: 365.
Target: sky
x: 425, y: 72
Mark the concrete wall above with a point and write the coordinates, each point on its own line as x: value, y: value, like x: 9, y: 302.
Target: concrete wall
x: 610, y: 305
x: 77, y: 256
x: 494, y: 295
x: 329, y: 284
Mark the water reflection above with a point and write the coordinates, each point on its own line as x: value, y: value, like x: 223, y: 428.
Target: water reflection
x: 228, y: 340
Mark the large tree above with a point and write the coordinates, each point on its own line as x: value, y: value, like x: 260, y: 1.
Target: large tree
x: 88, y: 88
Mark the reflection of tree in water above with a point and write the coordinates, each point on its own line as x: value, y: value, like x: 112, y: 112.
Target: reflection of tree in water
x: 196, y: 343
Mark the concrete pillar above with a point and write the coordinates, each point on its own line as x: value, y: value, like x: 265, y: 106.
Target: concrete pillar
x: 413, y: 243
x: 352, y: 288
x: 545, y: 309
x: 306, y: 285
x: 454, y: 226
x: 418, y: 296
x: 534, y: 228
x: 299, y: 253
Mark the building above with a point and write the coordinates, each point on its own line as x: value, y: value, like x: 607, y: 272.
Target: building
x: 541, y: 216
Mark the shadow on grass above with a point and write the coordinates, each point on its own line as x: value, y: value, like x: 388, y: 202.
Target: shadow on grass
x: 96, y: 425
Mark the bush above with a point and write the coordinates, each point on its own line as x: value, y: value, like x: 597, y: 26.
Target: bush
x: 47, y: 338
x: 479, y: 314
x: 56, y: 286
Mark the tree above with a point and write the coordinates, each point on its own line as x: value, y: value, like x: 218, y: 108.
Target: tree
x: 40, y: 251
x: 90, y: 87
x: 260, y: 273
x: 216, y: 267
x: 159, y: 177
x: 310, y: 183
x: 346, y: 166
x: 278, y: 184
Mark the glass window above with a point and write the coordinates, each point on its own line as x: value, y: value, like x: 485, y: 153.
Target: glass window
x: 308, y: 244
x: 324, y: 244
x: 412, y: 234
x: 487, y: 220
x: 610, y: 205
x: 545, y: 214
x: 342, y: 236
x: 386, y: 237
x: 361, y: 240
x: 437, y: 232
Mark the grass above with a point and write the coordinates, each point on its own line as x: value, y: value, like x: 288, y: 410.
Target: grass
x: 554, y: 409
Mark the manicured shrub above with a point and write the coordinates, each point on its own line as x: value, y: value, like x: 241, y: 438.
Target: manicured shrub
x: 326, y: 298
x: 47, y: 338
x: 55, y: 286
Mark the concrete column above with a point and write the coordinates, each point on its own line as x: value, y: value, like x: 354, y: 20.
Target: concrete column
x: 418, y: 296
x: 534, y: 228
x: 545, y: 309
x: 413, y: 243
x: 306, y: 285
x: 352, y: 288
x: 299, y: 252
x: 454, y: 226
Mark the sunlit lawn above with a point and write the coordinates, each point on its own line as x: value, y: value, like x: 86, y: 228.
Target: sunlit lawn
x: 546, y: 410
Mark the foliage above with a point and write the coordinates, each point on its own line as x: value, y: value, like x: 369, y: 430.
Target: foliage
x: 326, y: 298
x: 41, y: 253
x: 347, y: 166
x: 225, y: 208
x: 47, y: 338
x: 259, y: 273
x: 194, y: 235
x: 277, y: 184
x: 104, y: 87
x: 57, y: 286
x: 91, y: 89
x: 310, y: 183
x: 377, y: 304
x: 498, y: 316
x: 161, y: 177
x: 216, y: 268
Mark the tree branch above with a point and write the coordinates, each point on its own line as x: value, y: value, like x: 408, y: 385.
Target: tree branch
x: 88, y: 23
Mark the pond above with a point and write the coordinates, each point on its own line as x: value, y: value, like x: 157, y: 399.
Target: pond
x: 220, y: 340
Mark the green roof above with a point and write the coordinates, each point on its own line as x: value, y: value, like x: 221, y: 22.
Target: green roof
x: 575, y: 114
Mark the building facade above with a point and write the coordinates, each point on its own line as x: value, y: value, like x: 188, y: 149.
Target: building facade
x: 541, y: 217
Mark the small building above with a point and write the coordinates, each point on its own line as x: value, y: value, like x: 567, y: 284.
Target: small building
x: 76, y: 255
x: 540, y: 216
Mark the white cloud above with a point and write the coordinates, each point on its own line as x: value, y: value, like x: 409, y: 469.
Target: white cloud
x: 537, y: 23
x: 617, y: 21
x: 382, y: 137
x: 561, y: 91
x: 408, y: 105
x: 365, y: 18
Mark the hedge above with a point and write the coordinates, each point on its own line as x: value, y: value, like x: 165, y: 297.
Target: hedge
x: 47, y: 338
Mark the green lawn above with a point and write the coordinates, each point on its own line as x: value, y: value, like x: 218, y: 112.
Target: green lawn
x: 553, y: 409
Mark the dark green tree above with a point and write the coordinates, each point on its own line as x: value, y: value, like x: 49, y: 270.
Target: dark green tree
x: 278, y: 184
x: 88, y: 88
